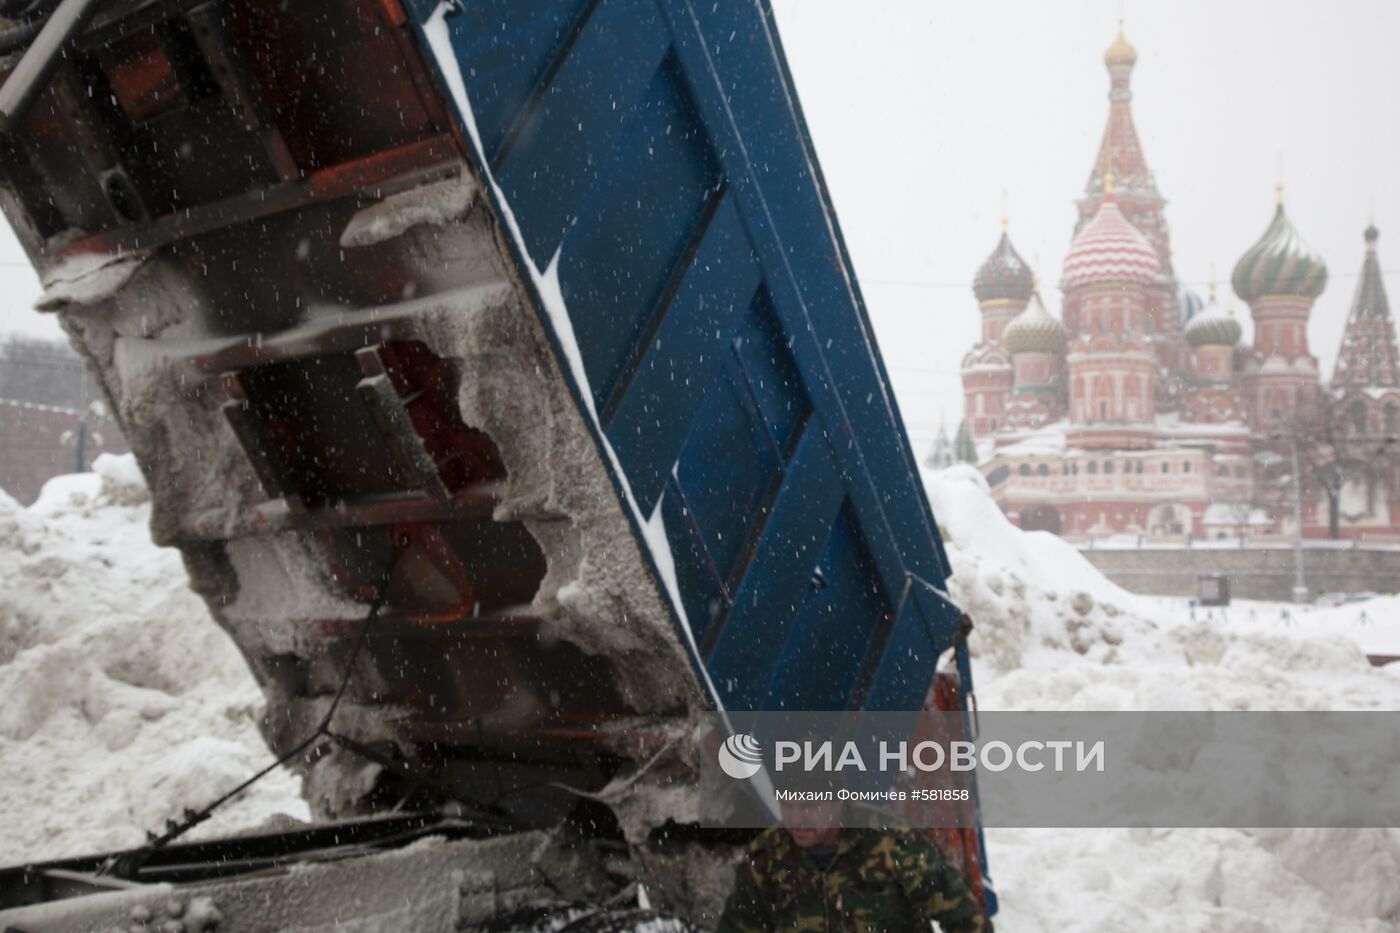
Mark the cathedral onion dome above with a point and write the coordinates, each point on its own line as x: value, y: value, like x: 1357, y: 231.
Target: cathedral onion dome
x: 1034, y: 330
x: 1213, y: 327
x: 1110, y: 249
x: 1280, y: 264
x: 1004, y: 276
x: 1120, y: 52
x: 1188, y: 305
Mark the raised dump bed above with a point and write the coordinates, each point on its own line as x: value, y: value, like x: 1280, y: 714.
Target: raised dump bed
x: 527, y: 321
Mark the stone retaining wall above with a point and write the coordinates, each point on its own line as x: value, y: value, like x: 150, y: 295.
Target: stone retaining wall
x: 1254, y: 573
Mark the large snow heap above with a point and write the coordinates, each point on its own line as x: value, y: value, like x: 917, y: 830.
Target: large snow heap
x: 123, y: 702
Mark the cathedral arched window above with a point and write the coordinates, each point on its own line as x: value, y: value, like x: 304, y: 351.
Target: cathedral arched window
x: 1390, y: 418
x: 1043, y: 470
x: 1093, y: 466
x: 1025, y: 469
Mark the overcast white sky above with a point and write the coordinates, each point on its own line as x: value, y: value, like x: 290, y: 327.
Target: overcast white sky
x: 924, y: 110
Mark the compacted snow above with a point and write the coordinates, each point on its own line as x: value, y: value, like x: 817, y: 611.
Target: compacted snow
x: 124, y: 703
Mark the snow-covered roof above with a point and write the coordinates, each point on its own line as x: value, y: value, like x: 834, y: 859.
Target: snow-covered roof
x: 1170, y: 425
x: 1048, y: 440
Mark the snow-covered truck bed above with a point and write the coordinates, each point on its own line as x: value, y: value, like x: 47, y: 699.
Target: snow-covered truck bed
x: 529, y: 321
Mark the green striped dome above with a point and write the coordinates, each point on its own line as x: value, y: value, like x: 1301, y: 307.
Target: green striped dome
x: 1281, y: 263
x: 1213, y: 328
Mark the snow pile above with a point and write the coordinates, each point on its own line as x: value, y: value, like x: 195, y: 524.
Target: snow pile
x: 1024, y: 590
x: 1052, y: 633
x: 124, y: 702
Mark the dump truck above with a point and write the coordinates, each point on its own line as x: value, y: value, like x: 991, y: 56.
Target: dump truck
x: 500, y: 372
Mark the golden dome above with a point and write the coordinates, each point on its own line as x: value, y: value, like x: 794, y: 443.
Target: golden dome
x: 1120, y: 52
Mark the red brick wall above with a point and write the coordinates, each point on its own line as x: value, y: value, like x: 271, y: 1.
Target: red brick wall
x: 32, y: 449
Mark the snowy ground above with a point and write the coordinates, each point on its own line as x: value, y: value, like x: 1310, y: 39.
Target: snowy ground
x: 1052, y: 633
x: 124, y: 704
x: 1372, y: 625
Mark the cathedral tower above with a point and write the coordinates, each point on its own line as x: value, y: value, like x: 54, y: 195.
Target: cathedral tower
x: 1214, y: 396
x: 1280, y: 277
x: 1002, y: 285
x: 1135, y: 190
x: 1368, y: 357
x: 1036, y: 342
x: 1109, y: 275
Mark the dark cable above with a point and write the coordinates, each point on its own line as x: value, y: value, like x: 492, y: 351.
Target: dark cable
x: 131, y: 861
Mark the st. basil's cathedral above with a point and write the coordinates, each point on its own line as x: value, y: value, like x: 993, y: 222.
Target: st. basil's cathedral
x: 1141, y: 412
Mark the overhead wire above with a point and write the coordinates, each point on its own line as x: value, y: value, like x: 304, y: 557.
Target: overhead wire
x: 928, y: 283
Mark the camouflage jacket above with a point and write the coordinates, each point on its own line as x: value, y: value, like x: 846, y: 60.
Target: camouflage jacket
x: 879, y: 881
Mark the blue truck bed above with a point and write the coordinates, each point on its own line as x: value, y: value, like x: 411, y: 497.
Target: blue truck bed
x: 655, y: 160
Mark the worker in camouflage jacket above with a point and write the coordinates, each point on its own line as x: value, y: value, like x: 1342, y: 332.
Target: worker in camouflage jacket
x: 813, y: 876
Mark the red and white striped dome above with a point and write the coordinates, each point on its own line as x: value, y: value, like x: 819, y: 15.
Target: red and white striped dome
x: 1110, y: 249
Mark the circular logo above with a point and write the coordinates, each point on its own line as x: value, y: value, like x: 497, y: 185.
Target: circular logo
x: 741, y: 756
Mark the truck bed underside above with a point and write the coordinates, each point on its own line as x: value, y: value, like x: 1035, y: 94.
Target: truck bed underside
x: 307, y: 321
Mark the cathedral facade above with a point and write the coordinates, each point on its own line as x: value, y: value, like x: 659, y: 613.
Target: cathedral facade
x: 1141, y: 412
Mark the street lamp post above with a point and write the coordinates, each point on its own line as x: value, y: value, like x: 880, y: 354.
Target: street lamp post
x: 79, y: 443
x: 1300, y: 588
